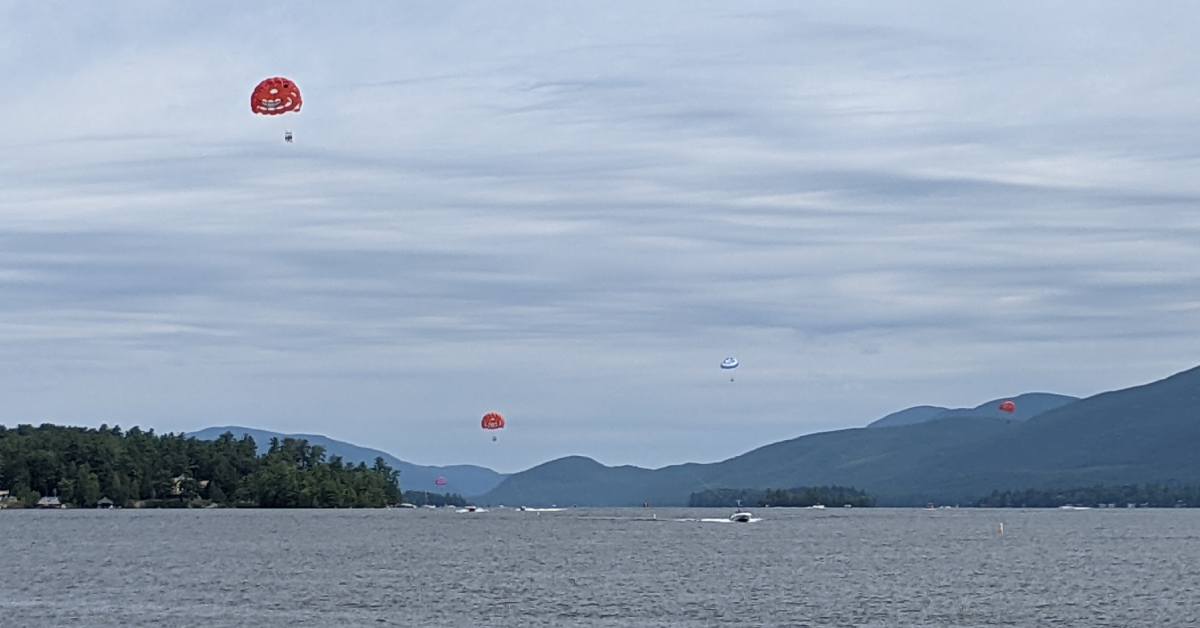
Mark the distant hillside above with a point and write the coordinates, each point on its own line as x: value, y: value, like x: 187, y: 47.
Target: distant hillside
x: 468, y: 480
x: 1145, y: 434
x: 861, y: 457
x: 1029, y: 405
x: 909, y: 416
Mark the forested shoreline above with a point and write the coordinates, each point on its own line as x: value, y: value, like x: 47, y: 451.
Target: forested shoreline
x: 1140, y: 496
x: 84, y: 467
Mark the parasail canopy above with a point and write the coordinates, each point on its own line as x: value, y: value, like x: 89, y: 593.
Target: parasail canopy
x: 275, y: 96
x: 492, y: 421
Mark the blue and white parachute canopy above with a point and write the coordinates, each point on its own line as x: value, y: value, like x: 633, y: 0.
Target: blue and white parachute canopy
x: 729, y: 363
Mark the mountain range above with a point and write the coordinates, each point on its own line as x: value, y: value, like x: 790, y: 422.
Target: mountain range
x: 463, y: 479
x: 922, y: 454
x: 1147, y: 433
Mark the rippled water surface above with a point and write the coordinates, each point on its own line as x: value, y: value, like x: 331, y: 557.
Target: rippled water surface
x: 615, y: 567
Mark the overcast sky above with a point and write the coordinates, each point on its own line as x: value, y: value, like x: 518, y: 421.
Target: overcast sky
x: 572, y: 212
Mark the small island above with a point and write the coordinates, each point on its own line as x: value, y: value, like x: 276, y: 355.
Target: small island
x: 801, y: 496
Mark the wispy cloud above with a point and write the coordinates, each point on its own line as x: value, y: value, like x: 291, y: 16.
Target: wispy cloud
x: 573, y: 213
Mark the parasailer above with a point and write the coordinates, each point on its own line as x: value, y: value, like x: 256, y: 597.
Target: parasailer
x: 492, y: 421
x: 440, y: 481
x: 276, y: 96
x: 1008, y: 406
x: 729, y: 364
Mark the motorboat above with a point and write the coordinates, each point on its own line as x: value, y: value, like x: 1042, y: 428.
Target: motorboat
x: 739, y: 515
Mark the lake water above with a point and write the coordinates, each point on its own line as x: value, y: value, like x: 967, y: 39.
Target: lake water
x: 600, y: 567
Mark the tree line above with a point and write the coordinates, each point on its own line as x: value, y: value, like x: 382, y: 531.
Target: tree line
x: 1144, y: 495
x: 801, y: 496
x: 140, y: 468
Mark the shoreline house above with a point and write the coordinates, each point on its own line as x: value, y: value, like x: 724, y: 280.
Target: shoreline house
x: 104, y: 503
x: 5, y: 497
x: 187, y: 486
x: 50, y: 502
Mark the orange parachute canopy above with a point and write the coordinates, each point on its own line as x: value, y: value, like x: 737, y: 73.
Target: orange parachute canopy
x: 440, y: 481
x: 1008, y: 406
x: 492, y: 421
x: 275, y: 96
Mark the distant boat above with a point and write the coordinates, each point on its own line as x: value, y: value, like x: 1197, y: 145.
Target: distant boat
x: 430, y: 506
x: 407, y: 505
x: 818, y: 506
x: 1070, y: 507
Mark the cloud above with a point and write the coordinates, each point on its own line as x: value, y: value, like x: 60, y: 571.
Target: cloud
x: 572, y: 214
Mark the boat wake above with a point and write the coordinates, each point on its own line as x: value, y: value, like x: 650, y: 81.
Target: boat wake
x: 713, y: 520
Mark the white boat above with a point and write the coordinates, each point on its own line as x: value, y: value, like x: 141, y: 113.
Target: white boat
x: 407, y: 505
x: 817, y: 507
x: 739, y: 515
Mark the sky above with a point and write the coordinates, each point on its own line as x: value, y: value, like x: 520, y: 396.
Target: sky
x: 572, y: 212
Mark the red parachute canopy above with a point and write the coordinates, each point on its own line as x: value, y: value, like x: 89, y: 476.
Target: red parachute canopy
x: 492, y: 421
x: 440, y: 481
x: 1008, y: 406
x: 275, y: 96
